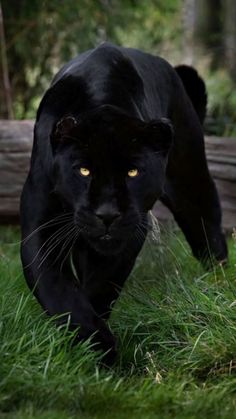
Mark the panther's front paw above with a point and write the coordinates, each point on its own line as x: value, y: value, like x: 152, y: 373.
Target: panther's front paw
x: 106, y: 341
x: 103, y: 340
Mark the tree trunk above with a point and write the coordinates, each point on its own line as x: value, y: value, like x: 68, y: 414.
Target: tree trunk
x: 230, y: 36
x: 204, y: 29
x: 6, y: 109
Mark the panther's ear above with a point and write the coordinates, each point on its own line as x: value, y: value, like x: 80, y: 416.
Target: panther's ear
x: 159, y: 135
x: 64, y: 130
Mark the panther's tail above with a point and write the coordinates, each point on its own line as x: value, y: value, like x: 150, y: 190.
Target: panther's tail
x: 195, y: 88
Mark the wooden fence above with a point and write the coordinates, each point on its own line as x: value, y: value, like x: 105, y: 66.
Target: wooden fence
x: 15, y: 148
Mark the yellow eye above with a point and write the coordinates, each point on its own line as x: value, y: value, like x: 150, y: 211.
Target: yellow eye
x: 84, y: 171
x: 133, y: 173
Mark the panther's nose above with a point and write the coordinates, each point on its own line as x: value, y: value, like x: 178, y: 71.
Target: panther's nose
x: 107, y: 213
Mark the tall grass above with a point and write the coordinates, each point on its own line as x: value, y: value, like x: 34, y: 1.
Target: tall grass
x: 176, y: 329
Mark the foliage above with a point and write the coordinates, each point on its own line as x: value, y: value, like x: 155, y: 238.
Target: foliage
x: 176, y: 328
x: 41, y: 35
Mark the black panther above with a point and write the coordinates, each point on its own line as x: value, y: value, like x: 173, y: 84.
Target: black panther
x: 116, y: 130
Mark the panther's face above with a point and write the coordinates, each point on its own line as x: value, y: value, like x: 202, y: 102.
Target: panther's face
x: 109, y: 169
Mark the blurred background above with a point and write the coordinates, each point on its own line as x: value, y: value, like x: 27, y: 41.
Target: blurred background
x: 38, y: 36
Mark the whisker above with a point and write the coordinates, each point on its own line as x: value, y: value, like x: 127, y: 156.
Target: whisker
x: 67, y: 241
x: 71, y: 248
x: 47, y: 241
x: 54, y: 221
x: 54, y: 245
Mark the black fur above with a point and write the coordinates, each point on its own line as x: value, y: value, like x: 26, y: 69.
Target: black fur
x: 195, y: 88
x: 110, y: 110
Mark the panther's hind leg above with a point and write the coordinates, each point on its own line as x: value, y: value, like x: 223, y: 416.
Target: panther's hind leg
x: 196, y: 208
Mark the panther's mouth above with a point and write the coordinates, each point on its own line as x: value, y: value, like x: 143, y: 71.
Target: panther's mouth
x: 106, y: 244
x: 105, y: 238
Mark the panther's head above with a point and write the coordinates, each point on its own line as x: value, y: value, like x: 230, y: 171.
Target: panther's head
x: 109, y: 169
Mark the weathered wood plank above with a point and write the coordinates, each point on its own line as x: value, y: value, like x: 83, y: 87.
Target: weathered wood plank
x: 223, y: 171
x: 221, y: 156
x: 222, y: 145
x: 16, y: 139
x: 226, y: 188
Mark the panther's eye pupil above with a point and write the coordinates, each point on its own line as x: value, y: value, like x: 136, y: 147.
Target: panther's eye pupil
x: 84, y: 171
x: 133, y: 173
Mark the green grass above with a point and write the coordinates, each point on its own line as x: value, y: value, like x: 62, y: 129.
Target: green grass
x: 176, y: 329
